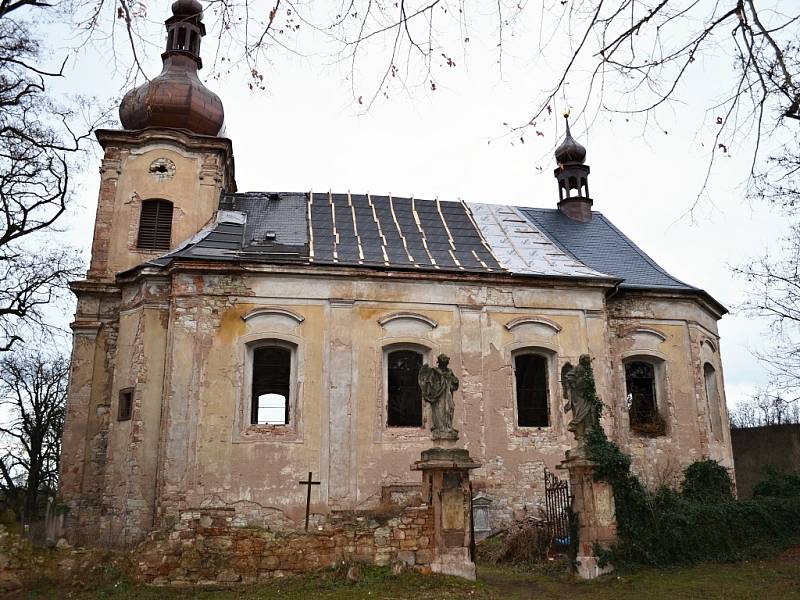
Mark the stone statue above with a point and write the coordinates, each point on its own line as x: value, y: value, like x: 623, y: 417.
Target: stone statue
x: 583, y: 411
x: 438, y: 384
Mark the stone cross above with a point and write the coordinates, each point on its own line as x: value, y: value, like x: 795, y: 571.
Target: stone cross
x: 308, y: 483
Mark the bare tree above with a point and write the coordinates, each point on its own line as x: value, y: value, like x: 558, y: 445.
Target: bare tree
x: 629, y: 57
x: 33, y: 391
x: 764, y: 409
x: 773, y: 284
x: 36, y: 143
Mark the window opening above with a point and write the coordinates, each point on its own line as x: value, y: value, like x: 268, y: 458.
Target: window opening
x: 640, y: 382
x: 404, y: 397
x: 530, y: 372
x: 125, y: 409
x: 272, y: 367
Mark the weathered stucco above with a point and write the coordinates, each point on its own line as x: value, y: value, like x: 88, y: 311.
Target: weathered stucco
x: 181, y: 342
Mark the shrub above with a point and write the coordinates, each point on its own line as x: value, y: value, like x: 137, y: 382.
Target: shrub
x: 777, y: 484
x: 707, y: 481
x: 527, y: 542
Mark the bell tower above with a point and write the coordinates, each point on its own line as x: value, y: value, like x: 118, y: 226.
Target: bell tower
x: 163, y: 172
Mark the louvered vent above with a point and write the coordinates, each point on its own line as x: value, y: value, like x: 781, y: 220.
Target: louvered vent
x: 155, y: 225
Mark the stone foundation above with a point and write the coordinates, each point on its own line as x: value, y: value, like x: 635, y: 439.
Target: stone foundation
x: 206, y: 547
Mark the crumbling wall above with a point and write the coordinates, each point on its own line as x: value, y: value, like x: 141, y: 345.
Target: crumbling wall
x: 205, y: 546
x: 670, y: 332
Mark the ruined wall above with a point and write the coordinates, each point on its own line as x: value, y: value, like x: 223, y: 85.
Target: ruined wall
x: 184, y: 346
x: 212, y: 546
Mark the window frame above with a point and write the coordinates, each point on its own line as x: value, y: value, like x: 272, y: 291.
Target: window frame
x: 387, y: 349
x: 659, y: 365
x: 249, y: 430
x: 137, y: 239
x: 549, y: 361
x: 254, y: 401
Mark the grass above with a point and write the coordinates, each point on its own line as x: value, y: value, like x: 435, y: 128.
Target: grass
x: 777, y: 577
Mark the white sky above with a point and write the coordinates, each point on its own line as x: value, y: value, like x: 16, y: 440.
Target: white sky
x: 307, y: 133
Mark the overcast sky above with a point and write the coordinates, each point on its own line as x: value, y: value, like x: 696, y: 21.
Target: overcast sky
x: 306, y: 132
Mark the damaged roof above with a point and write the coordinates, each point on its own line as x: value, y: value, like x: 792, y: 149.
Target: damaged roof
x: 384, y: 232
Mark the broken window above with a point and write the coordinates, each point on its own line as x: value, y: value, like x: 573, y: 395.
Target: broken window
x: 533, y: 406
x: 272, y: 370
x: 712, y: 397
x: 404, y: 396
x: 640, y: 383
x: 125, y: 409
x: 155, y: 225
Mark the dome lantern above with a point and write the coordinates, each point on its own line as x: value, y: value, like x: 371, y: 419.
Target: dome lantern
x: 573, y: 178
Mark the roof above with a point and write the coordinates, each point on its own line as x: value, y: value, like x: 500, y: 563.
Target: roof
x: 384, y: 232
x: 601, y: 246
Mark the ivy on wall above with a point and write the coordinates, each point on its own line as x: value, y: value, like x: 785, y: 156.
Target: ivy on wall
x: 701, y: 522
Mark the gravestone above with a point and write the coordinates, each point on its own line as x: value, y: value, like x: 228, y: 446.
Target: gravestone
x: 480, y: 516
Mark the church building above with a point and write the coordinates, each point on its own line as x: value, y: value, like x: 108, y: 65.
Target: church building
x: 227, y: 344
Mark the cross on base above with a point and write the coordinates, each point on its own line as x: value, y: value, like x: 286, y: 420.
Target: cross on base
x: 308, y: 483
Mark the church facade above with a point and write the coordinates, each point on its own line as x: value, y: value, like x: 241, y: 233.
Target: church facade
x: 227, y: 344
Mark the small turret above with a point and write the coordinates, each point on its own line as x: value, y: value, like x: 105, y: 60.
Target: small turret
x: 572, y: 176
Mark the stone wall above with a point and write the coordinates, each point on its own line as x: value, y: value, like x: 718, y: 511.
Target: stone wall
x: 206, y: 546
x: 756, y: 448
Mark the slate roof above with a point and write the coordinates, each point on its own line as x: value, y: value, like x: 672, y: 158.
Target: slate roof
x: 601, y: 246
x: 384, y: 232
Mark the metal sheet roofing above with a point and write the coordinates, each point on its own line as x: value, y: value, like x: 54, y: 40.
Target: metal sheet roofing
x: 383, y: 232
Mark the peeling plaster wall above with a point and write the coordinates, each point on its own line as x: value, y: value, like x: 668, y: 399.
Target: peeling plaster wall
x: 183, y: 345
x: 634, y: 319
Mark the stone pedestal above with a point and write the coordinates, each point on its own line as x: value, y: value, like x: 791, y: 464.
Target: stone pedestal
x: 445, y: 487
x: 593, y: 505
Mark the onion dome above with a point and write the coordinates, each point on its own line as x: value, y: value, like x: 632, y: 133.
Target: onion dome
x: 176, y: 98
x: 187, y: 8
x: 570, y: 151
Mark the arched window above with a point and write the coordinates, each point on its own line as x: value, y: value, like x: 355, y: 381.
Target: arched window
x: 155, y: 225
x: 403, y: 394
x: 272, y: 371
x: 712, y: 398
x: 533, y: 398
x: 642, y: 394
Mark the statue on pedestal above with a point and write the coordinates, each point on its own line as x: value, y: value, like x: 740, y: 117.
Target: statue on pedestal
x: 578, y: 402
x: 438, y: 384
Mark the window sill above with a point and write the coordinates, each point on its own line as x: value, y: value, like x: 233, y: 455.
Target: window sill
x: 392, y: 435
x: 533, y: 431
x: 268, y: 433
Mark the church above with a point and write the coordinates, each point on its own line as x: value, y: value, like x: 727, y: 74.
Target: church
x: 227, y: 344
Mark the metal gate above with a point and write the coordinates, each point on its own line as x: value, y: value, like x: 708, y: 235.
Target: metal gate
x: 558, y: 502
